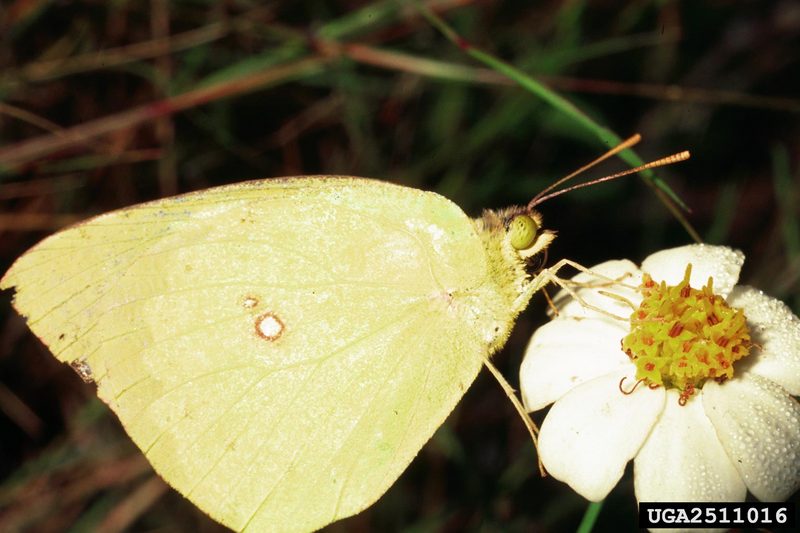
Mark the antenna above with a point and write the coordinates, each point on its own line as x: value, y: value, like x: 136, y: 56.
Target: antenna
x: 664, y: 161
x: 627, y: 143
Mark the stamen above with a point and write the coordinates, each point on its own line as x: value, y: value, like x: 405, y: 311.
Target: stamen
x: 635, y: 385
x: 685, y: 395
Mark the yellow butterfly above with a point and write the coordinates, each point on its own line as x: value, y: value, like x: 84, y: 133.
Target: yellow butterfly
x: 281, y: 349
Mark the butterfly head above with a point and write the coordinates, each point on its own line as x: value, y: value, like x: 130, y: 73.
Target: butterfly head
x: 514, y: 240
x: 516, y: 234
x: 525, y: 234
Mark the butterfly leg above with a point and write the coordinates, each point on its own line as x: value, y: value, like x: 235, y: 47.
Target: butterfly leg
x: 530, y: 425
x: 605, y: 279
x: 550, y: 275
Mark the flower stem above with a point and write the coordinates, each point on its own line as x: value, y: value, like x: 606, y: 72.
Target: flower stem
x: 590, y: 517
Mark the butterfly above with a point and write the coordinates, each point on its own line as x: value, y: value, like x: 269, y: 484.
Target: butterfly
x: 281, y: 349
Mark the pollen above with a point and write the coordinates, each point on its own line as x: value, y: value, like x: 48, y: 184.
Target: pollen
x: 680, y: 336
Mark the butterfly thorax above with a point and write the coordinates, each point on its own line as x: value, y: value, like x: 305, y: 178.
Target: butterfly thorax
x: 511, y: 270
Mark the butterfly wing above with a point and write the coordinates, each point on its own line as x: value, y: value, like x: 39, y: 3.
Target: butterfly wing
x: 279, y: 349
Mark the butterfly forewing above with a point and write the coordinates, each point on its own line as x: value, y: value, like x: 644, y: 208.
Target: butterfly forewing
x: 279, y: 349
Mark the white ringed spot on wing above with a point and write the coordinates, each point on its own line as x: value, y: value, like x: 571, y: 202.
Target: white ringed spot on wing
x: 269, y: 326
x: 249, y: 302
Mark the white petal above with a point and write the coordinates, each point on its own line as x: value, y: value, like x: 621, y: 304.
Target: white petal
x: 758, y: 424
x: 683, y: 461
x: 567, y: 352
x: 720, y: 262
x: 594, y: 430
x: 628, y: 275
x: 776, y: 330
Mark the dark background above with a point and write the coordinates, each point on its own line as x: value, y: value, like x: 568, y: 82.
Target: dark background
x: 719, y: 78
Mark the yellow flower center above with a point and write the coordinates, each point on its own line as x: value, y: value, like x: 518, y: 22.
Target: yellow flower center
x: 681, y: 336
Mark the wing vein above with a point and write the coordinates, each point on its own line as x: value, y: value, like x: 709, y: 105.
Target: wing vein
x: 416, y: 402
x: 307, y: 441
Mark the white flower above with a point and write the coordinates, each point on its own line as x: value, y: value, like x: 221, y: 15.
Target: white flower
x: 692, y: 438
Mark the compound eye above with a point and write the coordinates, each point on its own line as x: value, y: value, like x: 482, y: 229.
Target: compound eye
x: 522, y: 231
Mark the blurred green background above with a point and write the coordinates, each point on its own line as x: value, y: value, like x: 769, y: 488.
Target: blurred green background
x: 106, y: 104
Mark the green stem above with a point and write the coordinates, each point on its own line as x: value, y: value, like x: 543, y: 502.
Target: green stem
x: 590, y: 517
